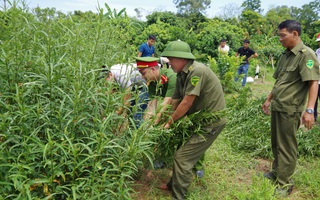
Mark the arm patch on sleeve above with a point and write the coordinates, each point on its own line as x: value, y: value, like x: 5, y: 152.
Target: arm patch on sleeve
x: 310, y: 64
x: 195, y: 80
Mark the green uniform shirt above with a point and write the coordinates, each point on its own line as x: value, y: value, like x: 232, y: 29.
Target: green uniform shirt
x: 295, y: 69
x: 199, y: 80
x: 164, y: 87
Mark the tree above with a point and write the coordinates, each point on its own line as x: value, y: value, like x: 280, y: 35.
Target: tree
x: 308, y: 14
x: 193, y: 20
x: 252, y: 22
x: 274, y: 16
x: 230, y: 10
x: 138, y: 12
x: 254, y: 5
x: 166, y: 17
x: 211, y: 32
x: 192, y: 6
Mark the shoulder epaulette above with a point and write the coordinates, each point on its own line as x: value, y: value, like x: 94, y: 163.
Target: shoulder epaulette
x: 190, y: 68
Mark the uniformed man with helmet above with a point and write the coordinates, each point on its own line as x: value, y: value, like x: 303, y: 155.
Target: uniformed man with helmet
x: 198, y: 90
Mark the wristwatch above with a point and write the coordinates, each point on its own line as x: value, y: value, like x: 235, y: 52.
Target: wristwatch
x: 310, y: 110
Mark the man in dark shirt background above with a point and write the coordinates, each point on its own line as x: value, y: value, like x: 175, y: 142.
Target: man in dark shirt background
x: 244, y: 67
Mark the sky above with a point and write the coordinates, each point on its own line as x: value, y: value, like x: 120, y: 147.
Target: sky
x: 151, y: 5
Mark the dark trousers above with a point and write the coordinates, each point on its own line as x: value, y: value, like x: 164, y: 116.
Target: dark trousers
x: 284, y: 144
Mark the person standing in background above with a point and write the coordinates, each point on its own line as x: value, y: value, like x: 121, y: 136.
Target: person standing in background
x: 244, y: 67
x: 147, y: 49
x: 223, y: 47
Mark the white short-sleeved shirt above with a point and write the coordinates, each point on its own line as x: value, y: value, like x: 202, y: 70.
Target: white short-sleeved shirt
x: 225, y: 49
x: 126, y: 74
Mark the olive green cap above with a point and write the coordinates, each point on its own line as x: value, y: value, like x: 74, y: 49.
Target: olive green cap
x: 178, y: 49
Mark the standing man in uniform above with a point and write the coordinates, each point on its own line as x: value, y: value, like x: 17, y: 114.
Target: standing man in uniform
x: 316, y: 104
x: 197, y: 90
x: 297, y: 76
x: 244, y: 67
x: 147, y: 49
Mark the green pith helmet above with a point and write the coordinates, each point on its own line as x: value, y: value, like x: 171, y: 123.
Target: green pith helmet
x: 178, y: 49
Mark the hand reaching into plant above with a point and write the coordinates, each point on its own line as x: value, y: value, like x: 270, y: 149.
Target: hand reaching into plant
x: 158, y: 118
x: 167, y: 125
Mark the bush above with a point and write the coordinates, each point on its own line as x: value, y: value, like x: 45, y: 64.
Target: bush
x: 59, y: 135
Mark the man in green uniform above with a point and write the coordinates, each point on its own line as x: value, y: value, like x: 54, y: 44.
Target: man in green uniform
x: 197, y: 90
x: 161, y: 83
x: 297, y: 76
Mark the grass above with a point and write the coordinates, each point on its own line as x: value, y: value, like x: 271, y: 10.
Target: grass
x: 234, y: 174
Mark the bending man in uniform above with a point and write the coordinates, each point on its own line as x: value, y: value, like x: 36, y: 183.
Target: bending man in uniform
x: 128, y: 78
x: 197, y: 90
x: 161, y: 83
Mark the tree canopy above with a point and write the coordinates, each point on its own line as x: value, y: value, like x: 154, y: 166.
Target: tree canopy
x: 254, y: 5
x: 191, y: 6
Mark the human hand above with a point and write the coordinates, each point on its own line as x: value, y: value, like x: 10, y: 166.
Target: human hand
x: 167, y: 125
x: 307, y: 120
x: 265, y: 108
x: 158, y: 118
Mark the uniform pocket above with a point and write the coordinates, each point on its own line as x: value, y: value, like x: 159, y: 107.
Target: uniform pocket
x: 290, y: 73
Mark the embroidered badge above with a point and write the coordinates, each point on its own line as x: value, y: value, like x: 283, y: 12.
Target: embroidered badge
x: 195, y: 80
x: 310, y: 64
x: 164, y: 79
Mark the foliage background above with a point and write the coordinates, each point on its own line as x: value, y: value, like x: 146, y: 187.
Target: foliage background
x: 60, y: 137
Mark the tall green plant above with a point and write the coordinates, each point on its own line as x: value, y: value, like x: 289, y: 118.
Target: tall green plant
x: 225, y: 68
x: 61, y: 137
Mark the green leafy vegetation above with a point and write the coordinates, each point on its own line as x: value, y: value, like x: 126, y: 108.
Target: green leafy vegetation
x: 61, y: 139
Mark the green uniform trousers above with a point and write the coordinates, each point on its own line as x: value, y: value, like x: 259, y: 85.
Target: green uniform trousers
x: 284, y: 145
x: 185, y: 159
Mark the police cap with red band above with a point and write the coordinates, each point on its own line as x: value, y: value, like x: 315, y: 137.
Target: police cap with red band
x: 145, y: 62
